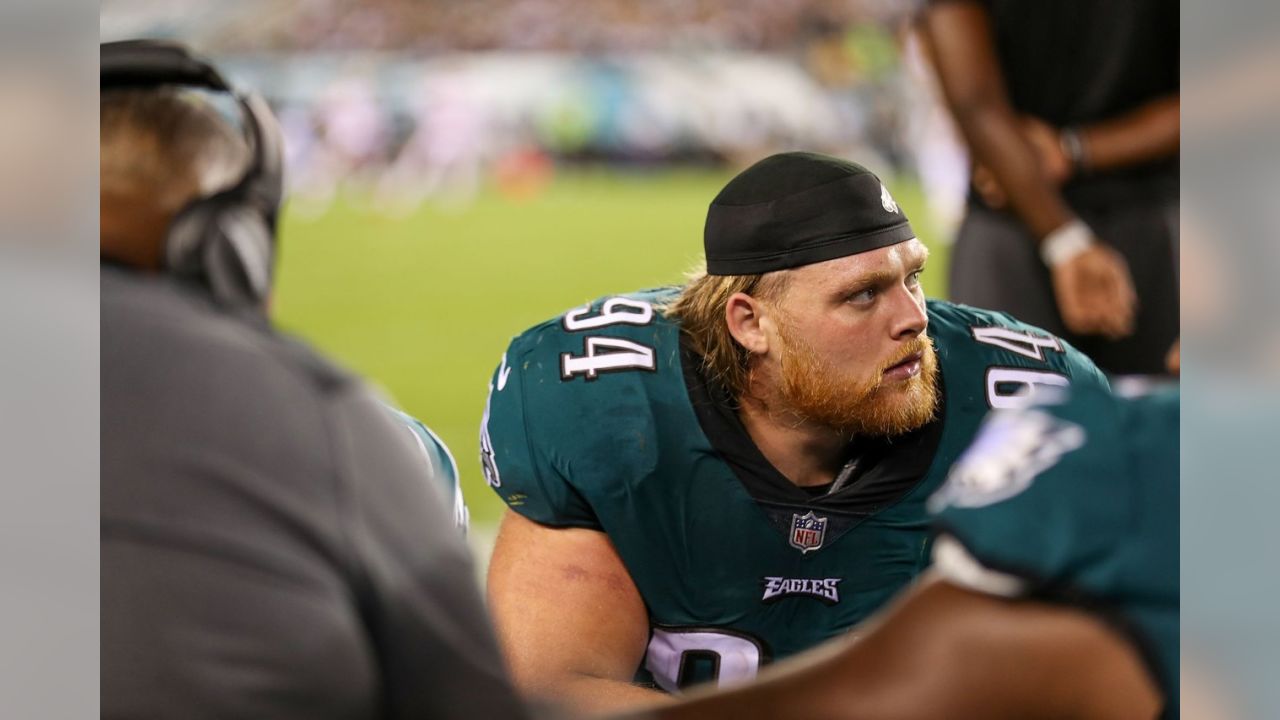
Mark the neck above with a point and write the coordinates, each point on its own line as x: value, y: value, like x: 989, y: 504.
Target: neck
x: 131, y: 231
x: 805, y: 453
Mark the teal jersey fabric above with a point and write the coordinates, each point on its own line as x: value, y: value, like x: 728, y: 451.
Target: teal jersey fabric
x: 599, y: 419
x: 439, y: 465
x: 1079, y: 502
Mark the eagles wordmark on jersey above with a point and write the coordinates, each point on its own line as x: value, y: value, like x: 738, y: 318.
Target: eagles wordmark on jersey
x: 601, y: 419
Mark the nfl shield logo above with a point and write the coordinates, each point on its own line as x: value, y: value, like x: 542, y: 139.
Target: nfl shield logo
x: 807, y: 531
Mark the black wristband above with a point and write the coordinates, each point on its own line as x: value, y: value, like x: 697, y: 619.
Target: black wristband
x: 1073, y: 147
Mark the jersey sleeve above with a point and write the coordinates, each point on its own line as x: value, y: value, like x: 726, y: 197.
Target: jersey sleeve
x: 1038, y: 496
x: 518, y: 463
x: 1085, y: 375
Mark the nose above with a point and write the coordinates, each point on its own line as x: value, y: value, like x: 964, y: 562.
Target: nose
x: 909, y: 316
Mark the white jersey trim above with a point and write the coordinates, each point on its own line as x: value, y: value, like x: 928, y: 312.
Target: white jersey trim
x: 956, y: 565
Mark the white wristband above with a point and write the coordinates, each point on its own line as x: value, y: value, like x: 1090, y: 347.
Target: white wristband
x: 1066, y: 243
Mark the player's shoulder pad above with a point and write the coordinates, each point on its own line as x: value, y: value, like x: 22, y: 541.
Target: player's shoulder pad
x: 575, y: 403
x: 634, y: 316
x: 996, y: 334
x: 1001, y: 346
x: 438, y: 463
x: 1042, y: 489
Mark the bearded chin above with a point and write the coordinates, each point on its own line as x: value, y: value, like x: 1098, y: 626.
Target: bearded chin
x: 815, y: 392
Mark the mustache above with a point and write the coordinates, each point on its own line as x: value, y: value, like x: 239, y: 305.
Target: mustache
x: 921, y: 344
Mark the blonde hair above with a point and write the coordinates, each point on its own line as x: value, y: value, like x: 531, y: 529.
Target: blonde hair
x: 700, y: 308
x: 166, y: 145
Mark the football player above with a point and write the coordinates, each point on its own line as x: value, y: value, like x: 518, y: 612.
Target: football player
x: 1054, y: 591
x: 706, y: 478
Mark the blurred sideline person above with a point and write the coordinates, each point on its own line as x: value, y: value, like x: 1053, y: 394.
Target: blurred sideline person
x: 1071, y: 114
x: 707, y: 478
x: 1054, y: 591
x: 270, y: 548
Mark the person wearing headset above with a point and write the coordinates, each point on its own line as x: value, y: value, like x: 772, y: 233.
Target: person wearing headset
x: 268, y: 545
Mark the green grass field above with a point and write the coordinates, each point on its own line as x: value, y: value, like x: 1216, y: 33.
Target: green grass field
x: 425, y: 305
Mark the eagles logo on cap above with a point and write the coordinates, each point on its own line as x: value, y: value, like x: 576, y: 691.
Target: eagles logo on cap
x: 887, y: 200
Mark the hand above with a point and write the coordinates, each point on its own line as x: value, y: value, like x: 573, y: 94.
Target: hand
x: 1053, y: 162
x: 1095, y: 293
x: 984, y: 181
x: 1044, y: 139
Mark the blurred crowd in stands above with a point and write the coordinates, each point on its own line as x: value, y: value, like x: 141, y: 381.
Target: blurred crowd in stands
x: 441, y: 26
x: 432, y: 100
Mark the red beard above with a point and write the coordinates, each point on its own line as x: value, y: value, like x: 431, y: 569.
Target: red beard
x: 815, y: 391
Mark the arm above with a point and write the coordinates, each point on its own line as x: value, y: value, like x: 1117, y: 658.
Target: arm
x: 569, y: 616
x: 961, y: 45
x: 943, y: 651
x: 1147, y: 133
x: 1092, y: 286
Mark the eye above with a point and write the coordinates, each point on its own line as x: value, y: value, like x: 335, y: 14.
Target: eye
x: 913, y: 280
x: 862, y: 297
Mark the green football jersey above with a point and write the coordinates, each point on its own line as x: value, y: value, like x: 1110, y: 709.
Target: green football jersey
x: 601, y: 419
x: 1076, y: 503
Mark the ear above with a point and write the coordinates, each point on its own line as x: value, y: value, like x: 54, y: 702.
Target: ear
x: 748, y: 322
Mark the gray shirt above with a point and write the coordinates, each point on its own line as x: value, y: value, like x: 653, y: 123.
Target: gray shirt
x: 269, y: 546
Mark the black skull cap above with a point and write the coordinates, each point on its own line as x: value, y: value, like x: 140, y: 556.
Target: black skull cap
x: 798, y: 208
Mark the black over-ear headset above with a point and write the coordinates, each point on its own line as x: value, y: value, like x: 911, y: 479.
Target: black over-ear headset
x: 224, y: 242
